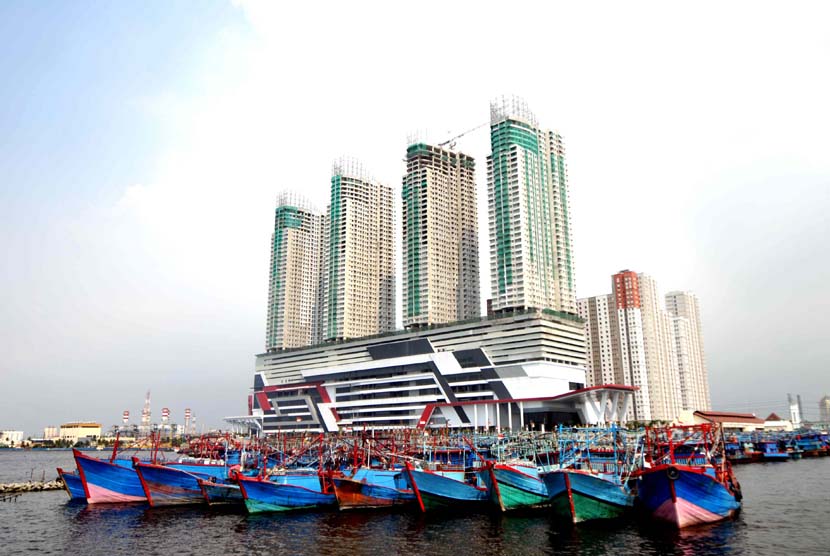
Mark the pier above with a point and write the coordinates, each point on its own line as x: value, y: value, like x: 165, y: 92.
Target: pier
x: 10, y: 491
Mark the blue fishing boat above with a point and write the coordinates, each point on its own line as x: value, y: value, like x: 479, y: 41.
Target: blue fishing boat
x: 175, y: 483
x: 514, y: 485
x: 771, y: 450
x: 221, y: 492
x: 108, y: 481
x: 679, y: 483
x: 291, y: 491
x: 590, y: 480
x: 810, y: 445
x: 446, y: 489
x: 372, y: 488
x: 72, y: 484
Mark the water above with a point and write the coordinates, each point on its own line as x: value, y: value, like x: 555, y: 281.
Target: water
x: 785, y: 511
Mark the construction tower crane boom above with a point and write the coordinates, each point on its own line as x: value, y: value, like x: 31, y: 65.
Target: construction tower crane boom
x: 451, y: 140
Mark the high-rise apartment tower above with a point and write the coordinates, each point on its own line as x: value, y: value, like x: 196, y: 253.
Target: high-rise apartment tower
x: 632, y: 338
x: 531, y: 260
x: 293, y: 317
x: 688, y: 333
x: 440, y: 237
x: 359, y: 277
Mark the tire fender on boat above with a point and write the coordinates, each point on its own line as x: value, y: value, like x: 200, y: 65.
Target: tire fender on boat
x: 672, y: 473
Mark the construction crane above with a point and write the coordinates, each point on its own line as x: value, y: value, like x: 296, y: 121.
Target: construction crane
x: 451, y: 140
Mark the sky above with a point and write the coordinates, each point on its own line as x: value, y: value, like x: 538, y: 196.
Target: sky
x: 144, y: 144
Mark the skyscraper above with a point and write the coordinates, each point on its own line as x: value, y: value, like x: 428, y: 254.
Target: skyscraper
x: 688, y: 335
x: 359, y: 278
x: 632, y: 339
x: 531, y: 261
x: 632, y: 346
x: 440, y: 237
x: 661, y: 353
x: 294, y: 274
x: 602, y: 340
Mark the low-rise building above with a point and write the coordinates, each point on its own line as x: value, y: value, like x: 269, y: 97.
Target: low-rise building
x: 730, y: 421
x: 774, y: 423
x: 78, y: 430
x: 10, y: 438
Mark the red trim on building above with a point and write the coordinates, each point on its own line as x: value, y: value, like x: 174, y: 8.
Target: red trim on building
x: 264, y: 403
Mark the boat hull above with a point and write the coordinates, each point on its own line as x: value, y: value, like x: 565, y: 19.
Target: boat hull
x: 513, y: 489
x: 167, y: 486
x: 72, y: 484
x: 269, y: 496
x: 438, y: 492
x: 108, y: 483
x: 352, y: 493
x: 216, y: 493
x: 580, y: 497
x: 684, y: 496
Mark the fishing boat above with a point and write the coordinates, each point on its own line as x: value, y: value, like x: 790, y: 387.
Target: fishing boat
x: 221, y: 492
x: 292, y: 490
x: 590, y: 481
x: 771, y: 450
x: 108, y: 481
x: 72, y: 484
x: 443, y: 488
x: 680, y: 484
x: 810, y: 446
x: 176, y: 482
x: 514, y: 485
x: 372, y: 488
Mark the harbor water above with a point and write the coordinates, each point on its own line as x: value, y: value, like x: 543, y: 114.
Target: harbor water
x: 786, y: 507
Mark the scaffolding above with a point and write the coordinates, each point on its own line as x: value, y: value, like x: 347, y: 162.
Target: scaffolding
x: 511, y: 107
x: 351, y: 167
x: 290, y: 198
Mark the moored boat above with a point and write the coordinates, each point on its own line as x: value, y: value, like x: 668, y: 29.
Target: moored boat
x: 772, y: 451
x: 108, y: 481
x: 280, y: 493
x: 446, y: 489
x: 514, y: 485
x: 578, y: 495
x: 72, y: 484
x: 590, y: 480
x: 679, y: 484
x: 221, y: 492
x: 372, y: 488
x: 174, y: 484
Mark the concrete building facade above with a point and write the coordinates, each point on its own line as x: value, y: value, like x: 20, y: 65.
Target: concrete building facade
x: 359, y: 277
x: 440, y: 237
x: 10, y: 438
x: 294, y: 275
x: 505, y: 371
x: 79, y: 430
x: 684, y: 308
x: 632, y: 338
x: 661, y: 353
x: 531, y: 260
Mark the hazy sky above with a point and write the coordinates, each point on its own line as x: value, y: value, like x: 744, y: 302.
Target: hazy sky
x: 143, y: 145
